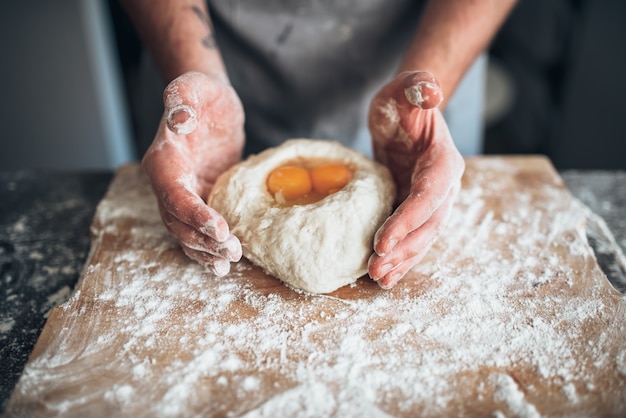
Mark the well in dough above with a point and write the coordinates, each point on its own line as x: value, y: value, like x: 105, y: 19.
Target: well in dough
x: 317, y: 247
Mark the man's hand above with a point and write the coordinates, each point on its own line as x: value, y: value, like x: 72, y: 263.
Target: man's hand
x: 411, y: 138
x: 200, y: 136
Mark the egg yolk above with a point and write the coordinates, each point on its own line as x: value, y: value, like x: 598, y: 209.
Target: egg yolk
x: 296, y: 184
x: 291, y: 182
x: 330, y: 178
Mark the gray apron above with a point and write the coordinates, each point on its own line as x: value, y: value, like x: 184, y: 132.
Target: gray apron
x: 309, y: 68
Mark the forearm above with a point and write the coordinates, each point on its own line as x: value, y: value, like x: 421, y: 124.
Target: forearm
x: 179, y: 35
x: 451, y: 34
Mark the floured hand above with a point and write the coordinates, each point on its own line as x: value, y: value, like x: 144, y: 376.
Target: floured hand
x: 200, y: 136
x: 411, y: 137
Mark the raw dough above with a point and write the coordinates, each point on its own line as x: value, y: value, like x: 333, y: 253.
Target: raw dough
x: 318, y: 247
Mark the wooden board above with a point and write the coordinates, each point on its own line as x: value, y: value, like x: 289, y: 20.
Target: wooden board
x: 508, y: 315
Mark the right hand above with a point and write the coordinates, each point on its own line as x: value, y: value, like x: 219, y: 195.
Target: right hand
x: 411, y: 137
x: 200, y: 135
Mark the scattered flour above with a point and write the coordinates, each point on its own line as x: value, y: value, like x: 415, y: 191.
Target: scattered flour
x: 57, y: 298
x: 7, y: 324
x: 493, y: 301
x: 508, y: 392
x: 621, y: 362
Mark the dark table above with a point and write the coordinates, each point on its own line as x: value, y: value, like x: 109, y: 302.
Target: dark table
x: 44, y: 241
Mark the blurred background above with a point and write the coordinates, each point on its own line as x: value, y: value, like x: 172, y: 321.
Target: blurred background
x: 70, y: 76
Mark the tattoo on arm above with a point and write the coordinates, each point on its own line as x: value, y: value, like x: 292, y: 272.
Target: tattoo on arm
x: 209, y: 40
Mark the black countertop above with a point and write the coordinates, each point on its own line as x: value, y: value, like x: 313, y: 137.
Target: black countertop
x: 44, y: 241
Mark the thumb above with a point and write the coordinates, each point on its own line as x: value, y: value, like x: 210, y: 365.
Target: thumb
x: 422, y: 89
x: 182, y: 100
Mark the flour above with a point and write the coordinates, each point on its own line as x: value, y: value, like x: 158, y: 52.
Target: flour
x: 482, y: 326
x: 415, y: 94
x: 57, y: 298
x: 508, y: 392
x: 20, y: 225
x: 175, y: 106
x: 6, y: 324
x: 123, y: 393
x: 493, y: 317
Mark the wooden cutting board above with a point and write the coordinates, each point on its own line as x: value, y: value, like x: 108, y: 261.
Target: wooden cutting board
x: 508, y: 315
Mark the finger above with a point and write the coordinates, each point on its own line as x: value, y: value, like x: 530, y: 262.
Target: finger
x: 189, y: 209
x: 216, y: 265
x: 422, y: 90
x: 388, y: 270
x: 229, y: 249
x: 393, y: 277
x: 427, y: 193
x: 434, y: 177
x: 203, y: 239
x: 180, y: 115
x: 181, y: 99
x: 418, y: 238
x: 177, y: 197
x: 182, y: 119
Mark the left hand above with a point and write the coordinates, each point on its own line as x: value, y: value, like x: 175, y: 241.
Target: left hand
x: 200, y: 136
x: 411, y: 138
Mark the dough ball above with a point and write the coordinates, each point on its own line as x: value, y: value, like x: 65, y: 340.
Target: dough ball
x: 322, y: 244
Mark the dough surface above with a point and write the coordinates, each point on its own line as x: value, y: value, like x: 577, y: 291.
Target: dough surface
x: 317, y: 247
